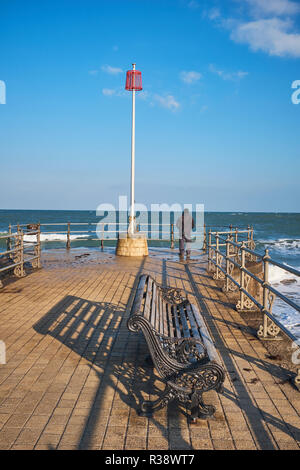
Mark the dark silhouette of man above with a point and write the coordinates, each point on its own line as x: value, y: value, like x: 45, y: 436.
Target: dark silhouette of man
x: 185, y: 224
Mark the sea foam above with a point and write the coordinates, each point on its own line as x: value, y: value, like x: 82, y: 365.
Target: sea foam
x: 53, y: 237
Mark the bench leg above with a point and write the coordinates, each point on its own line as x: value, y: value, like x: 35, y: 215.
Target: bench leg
x: 149, y: 361
x: 194, y: 407
x: 149, y: 407
x: 199, y: 409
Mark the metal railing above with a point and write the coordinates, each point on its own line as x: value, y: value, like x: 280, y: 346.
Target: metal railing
x: 20, y: 251
x: 110, y: 231
x: 238, y: 255
x: 105, y: 231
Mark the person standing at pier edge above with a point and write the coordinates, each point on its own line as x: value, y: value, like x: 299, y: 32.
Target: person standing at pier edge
x: 185, y: 224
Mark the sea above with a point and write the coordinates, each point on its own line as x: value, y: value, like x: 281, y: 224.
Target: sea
x: 279, y: 232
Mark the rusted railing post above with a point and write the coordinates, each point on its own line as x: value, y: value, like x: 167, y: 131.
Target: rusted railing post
x: 8, y: 241
x: 172, y: 237
x: 268, y: 330
x: 236, y: 235
x: 18, y: 254
x: 217, y: 256
x: 21, y: 251
x: 227, y: 263
x: 38, y: 240
x: 252, y: 244
x: 102, y: 234
x: 265, y: 291
x: 209, y: 250
x: 204, y: 247
x: 242, y: 277
x: 68, y: 245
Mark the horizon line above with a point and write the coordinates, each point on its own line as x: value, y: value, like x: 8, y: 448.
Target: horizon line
x: 205, y: 211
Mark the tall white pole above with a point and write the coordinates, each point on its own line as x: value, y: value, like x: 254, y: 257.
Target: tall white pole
x: 132, y: 220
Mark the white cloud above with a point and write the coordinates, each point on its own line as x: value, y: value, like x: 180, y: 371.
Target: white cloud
x: 167, y: 101
x: 274, y: 36
x: 273, y: 7
x: 214, y: 13
x: 143, y: 95
x: 266, y: 25
x: 119, y: 91
x: 111, y: 70
x: 108, y: 91
x: 190, y: 77
x: 93, y: 72
x: 193, y: 4
x: 234, y: 76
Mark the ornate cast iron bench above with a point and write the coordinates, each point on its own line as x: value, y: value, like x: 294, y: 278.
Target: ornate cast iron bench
x: 181, y: 348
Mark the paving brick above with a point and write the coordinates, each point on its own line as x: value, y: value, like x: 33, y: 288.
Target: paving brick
x: 158, y: 443
x: 222, y: 444
x: 202, y: 444
x: 17, y: 420
x: 135, y: 443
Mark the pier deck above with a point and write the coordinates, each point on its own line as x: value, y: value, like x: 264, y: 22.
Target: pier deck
x: 75, y: 374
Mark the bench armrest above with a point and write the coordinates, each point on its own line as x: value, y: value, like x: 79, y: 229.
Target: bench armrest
x: 204, y: 377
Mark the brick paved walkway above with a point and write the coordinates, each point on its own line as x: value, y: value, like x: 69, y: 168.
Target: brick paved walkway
x: 75, y: 374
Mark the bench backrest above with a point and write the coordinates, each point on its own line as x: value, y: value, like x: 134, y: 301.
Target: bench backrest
x: 175, y: 320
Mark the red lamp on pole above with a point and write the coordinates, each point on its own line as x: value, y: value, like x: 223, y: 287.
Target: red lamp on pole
x: 133, y: 83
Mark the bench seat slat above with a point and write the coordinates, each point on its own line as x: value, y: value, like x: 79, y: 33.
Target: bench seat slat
x: 186, y: 330
x: 148, y: 298
x: 136, y: 307
x: 176, y: 321
x: 153, y: 305
x: 170, y: 320
x: 165, y: 318
x: 161, y: 316
x: 194, y: 328
x: 157, y: 316
x: 211, y: 350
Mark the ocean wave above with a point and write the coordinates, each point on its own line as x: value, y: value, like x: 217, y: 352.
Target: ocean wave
x: 53, y: 237
x: 279, y: 275
x: 289, y: 285
x: 287, y: 316
x: 282, y: 244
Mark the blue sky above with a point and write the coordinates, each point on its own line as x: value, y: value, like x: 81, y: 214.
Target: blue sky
x: 215, y: 123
